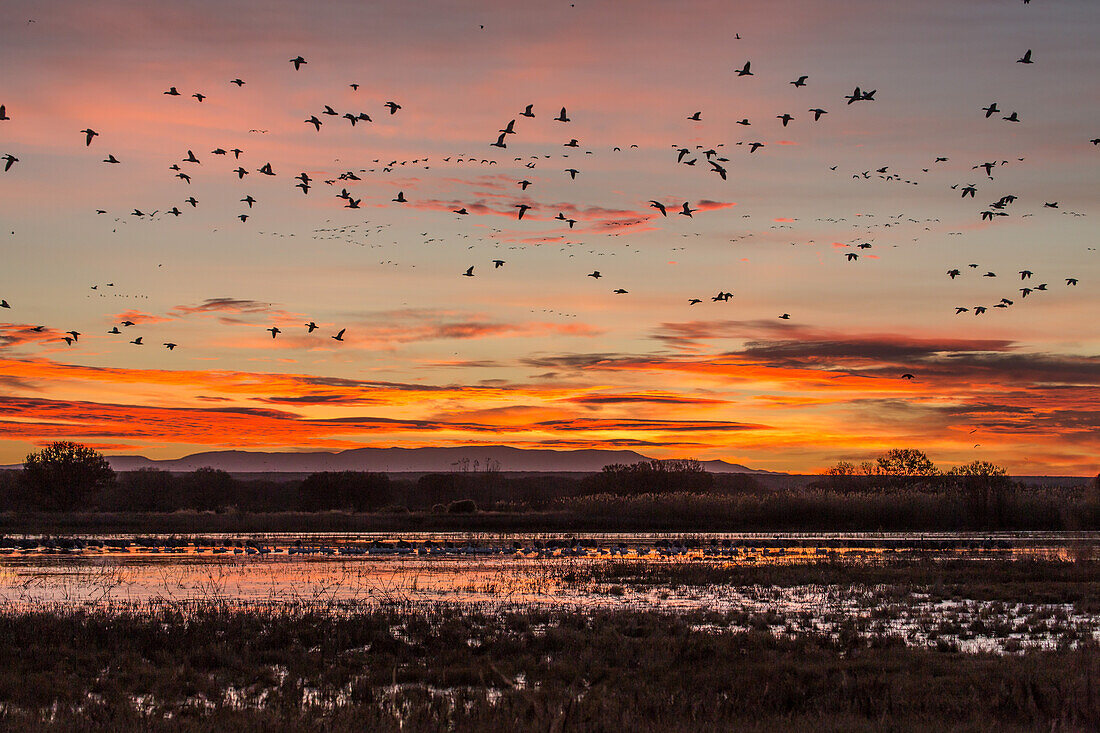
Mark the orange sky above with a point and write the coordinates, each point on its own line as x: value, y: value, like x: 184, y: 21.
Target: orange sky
x: 536, y: 352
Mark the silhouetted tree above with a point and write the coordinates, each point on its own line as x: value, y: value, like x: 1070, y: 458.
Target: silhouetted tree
x: 66, y: 475
x: 208, y: 488
x: 353, y: 490
x: 652, y: 476
x: 985, y: 487
x: 906, y: 462
x: 143, y: 490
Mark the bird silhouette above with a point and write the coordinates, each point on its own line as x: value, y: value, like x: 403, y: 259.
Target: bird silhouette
x: 274, y: 331
x: 339, y: 336
x: 744, y: 71
x: 1026, y: 58
x: 659, y: 206
x: 298, y: 61
x: 686, y: 210
x: 596, y: 274
x: 169, y: 345
x: 89, y: 133
x: 527, y: 111
x: 394, y: 106
x: 800, y: 81
x: 522, y: 210
x: 562, y: 117
x: 9, y: 161
x: 469, y: 271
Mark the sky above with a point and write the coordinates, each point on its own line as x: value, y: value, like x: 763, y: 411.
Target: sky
x: 847, y: 225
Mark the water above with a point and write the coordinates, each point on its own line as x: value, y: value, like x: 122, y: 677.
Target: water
x: 343, y: 572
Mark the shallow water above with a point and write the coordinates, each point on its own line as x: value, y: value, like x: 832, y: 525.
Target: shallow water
x: 499, y: 572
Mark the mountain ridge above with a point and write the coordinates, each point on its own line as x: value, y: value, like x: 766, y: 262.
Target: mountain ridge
x: 404, y: 460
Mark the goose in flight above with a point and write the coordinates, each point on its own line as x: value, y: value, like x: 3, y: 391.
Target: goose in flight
x: 718, y: 169
x: 394, y: 106
x: 953, y: 273
x: 562, y: 117
x: 523, y: 185
x: 339, y: 336
x: 595, y: 273
x: 785, y: 317
x: 311, y: 326
x: 314, y: 121
x: 137, y: 341
x: 1071, y: 281
x: 753, y: 147
x: 522, y: 210
x: 800, y: 81
x: 111, y: 159
x: 510, y: 128
x: 169, y: 345
x: 817, y: 113
x: 500, y: 141
x: 3, y: 113
x: 400, y: 198
x: 274, y: 331
x: 686, y: 210
x: 498, y: 263
x: 572, y: 173
x: 199, y: 96
x: 527, y: 111
x: 693, y: 301
x: 172, y: 92
x: 266, y: 169
x: 298, y: 61
x: 744, y: 71
x: 114, y: 330
x: 696, y: 117
x: 89, y: 134
x: 10, y: 160
x: 990, y: 110
x: 620, y: 291
x: 1011, y: 117
x: 1026, y: 58
x: 1024, y: 274
x: 907, y: 376
x: 469, y: 271
x: 238, y: 82
x: 659, y: 206
x: 785, y: 117
x: 960, y: 309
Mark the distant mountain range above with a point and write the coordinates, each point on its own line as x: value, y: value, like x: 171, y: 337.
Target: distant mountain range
x: 405, y: 460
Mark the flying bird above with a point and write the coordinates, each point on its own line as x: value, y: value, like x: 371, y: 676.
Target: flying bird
x: 297, y: 61
x: 800, y: 81
x: 527, y: 111
x: 394, y: 106
x: 562, y: 117
x: 339, y: 336
x: 1026, y: 58
x: 659, y: 206
x: 744, y: 71
x: 89, y: 134
x: 274, y: 331
x: 522, y: 210
x: 469, y: 271
x: 596, y: 274
x: 686, y: 210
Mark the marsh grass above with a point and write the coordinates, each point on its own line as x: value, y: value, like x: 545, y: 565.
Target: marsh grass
x: 214, y: 668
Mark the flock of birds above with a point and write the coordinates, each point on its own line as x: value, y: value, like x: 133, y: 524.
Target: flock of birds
x: 715, y: 158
